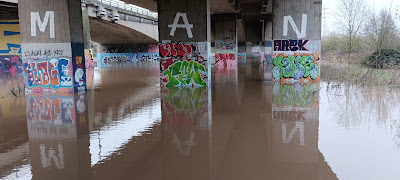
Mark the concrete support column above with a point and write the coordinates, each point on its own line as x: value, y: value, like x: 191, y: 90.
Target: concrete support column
x: 297, y: 41
x: 184, y: 31
x: 52, y: 46
x: 87, y: 42
x: 226, y: 45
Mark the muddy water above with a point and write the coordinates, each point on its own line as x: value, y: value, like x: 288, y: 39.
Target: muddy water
x: 240, y: 128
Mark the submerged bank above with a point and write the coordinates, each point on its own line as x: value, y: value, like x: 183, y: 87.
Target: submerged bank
x: 357, y: 74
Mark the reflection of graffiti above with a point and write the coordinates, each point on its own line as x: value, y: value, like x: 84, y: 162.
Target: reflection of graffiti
x: 51, y: 155
x: 290, y: 45
x: 149, y: 56
x: 225, y: 62
x: 10, y: 65
x: 183, y: 106
x: 225, y: 46
x: 185, y: 98
x: 303, y: 68
x: 10, y: 43
x: 185, y: 73
x: 53, y: 73
x: 297, y: 95
x: 182, y: 64
x: 58, y: 110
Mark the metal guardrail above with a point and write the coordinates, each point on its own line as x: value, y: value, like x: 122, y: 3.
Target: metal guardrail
x: 125, y: 8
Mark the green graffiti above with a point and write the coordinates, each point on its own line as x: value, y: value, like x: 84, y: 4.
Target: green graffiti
x: 295, y: 94
x: 295, y: 67
x: 185, y: 98
x: 184, y: 73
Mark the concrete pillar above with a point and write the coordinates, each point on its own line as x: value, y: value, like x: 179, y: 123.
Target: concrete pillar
x: 184, y: 31
x: 87, y: 42
x: 226, y: 44
x: 52, y: 45
x: 297, y: 41
x: 86, y: 28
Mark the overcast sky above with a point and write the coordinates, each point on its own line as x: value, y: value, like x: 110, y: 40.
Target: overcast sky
x: 328, y: 21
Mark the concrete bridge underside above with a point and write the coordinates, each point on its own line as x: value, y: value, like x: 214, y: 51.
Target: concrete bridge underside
x: 106, y: 32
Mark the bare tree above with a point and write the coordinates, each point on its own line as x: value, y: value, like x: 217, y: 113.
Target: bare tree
x: 351, y: 16
x: 381, y: 31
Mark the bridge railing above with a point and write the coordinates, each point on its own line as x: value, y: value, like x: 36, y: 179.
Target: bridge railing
x: 125, y: 8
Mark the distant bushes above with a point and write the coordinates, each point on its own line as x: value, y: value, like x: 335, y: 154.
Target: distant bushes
x: 384, y: 59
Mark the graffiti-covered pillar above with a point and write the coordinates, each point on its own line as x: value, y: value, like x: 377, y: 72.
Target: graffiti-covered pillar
x: 184, y: 29
x: 52, y: 45
x: 297, y: 41
x: 225, y: 43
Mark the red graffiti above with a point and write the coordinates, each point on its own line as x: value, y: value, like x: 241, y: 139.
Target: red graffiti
x: 224, y: 57
x: 175, y: 50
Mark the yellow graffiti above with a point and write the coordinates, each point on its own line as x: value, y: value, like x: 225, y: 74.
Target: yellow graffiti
x: 10, y: 40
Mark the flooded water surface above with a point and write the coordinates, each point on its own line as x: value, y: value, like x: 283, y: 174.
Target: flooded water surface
x: 242, y: 127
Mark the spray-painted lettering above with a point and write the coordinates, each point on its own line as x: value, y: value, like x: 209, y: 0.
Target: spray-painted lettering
x: 290, y: 45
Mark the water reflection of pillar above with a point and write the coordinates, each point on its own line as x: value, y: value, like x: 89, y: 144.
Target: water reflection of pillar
x: 186, y: 132
x: 58, y: 136
x: 294, y: 142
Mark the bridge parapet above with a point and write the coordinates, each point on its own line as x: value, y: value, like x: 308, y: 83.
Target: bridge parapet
x: 124, y: 8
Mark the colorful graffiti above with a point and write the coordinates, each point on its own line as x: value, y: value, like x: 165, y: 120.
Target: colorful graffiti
x: 295, y: 95
x: 183, y: 64
x: 222, y: 46
x: 104, y: 59
x: 255, y: 49
x: 150, y: 57
x: 300, y: 67
x: 290, y: 45
x: 89, y: 58
x: 267, y: 58
x: 225, y: 63
x: 153, y: 48
x: 10, y: 65
x: 55, y: 109
x: 79, y: 74
x: 10, y: 43
x: 48, y: 74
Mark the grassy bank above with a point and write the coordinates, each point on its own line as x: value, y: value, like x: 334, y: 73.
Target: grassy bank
x: 357, y: 74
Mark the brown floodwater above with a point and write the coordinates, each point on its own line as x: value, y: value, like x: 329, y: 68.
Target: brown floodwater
x: 241, y: 128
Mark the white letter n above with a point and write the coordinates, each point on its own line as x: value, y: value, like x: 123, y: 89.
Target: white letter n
x: 35, y: 18
x: 299, y: 34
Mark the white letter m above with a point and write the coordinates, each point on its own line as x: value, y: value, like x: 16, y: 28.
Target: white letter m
x: 35, y: 18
